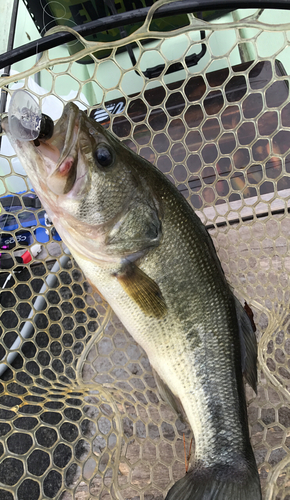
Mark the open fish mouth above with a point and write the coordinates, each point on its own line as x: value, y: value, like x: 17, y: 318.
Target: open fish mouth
x: 59, y: 153
x: 53, y: 159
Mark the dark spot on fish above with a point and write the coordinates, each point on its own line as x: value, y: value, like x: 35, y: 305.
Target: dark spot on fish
x: 193, y: 337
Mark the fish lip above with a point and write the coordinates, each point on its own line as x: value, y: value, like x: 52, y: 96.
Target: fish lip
x: 73, y: 123
x: 69, y: 119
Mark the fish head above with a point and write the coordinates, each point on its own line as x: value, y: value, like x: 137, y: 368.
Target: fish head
x: 92, y: 186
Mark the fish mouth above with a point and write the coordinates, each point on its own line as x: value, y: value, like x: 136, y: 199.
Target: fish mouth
x: 54, y: 159
x: 58, y: 147
x: 60, y: 151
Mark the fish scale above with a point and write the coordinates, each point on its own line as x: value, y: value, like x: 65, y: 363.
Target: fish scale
x: 151, y: 258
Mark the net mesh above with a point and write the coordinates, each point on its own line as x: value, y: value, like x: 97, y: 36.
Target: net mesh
x: 80, y: 414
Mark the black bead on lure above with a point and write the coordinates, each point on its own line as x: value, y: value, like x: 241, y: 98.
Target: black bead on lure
x: 26, y: 122
x: 152, y: 259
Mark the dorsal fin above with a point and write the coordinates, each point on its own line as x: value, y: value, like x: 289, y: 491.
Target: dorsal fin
x: 248, y: 346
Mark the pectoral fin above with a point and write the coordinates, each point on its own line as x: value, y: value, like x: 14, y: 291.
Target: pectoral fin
x: 143, y: 290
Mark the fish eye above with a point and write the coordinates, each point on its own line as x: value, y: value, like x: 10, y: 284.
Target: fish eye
x: 103, y: 156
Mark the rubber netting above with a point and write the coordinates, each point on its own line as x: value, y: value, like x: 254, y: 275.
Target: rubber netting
x: 80, y: 414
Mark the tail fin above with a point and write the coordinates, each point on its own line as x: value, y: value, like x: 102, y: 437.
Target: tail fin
x: 217, y: 483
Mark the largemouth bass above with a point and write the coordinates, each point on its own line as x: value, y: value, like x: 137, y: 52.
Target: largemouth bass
x: 139, y: 242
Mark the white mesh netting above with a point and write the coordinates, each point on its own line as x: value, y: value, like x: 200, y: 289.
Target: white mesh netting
x: 80, y: 415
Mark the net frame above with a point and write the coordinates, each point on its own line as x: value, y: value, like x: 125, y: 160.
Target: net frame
x: 135, y: 399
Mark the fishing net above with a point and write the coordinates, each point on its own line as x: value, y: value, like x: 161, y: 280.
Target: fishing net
x: 80, y: 414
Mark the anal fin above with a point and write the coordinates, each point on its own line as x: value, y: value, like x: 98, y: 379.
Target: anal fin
x: 168, y: 396
x: 142, y: 289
